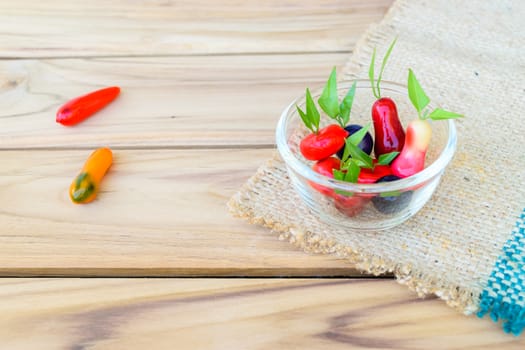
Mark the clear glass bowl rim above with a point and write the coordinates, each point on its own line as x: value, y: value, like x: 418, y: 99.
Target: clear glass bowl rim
x: 303, y: 169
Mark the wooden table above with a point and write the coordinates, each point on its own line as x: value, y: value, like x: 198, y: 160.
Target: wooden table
x: 203, y: 83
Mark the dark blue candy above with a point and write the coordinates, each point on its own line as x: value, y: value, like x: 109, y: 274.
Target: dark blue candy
x: 366, y: 144
x: 391, y: 204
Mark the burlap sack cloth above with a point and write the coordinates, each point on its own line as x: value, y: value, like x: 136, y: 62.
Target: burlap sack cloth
x: 464, y: 245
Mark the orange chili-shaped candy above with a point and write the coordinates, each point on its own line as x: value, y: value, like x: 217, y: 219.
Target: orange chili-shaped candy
x: 85, y: 187
x: 80, y: 108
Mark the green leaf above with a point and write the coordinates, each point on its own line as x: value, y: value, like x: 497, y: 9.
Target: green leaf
x: 416, y: 93
x: 304, y: 117
x: 311, y: 110
x: 355, y: 138
x: 358, y: 154
x: 338, y: 175
x: 352, y: 172
x: 361, y: 164
x: 329, y: 100
x: 390, y: 194
x: 441, y: 114
x: 387, y: 158
x: 346, y: 156
x: 383, y: 64
x: 344, y: 193
x: 346, y: 105
x: 358, y: 136
x: 371, y: 73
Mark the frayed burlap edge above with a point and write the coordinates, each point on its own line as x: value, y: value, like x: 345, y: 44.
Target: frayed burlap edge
x: 423, y: 284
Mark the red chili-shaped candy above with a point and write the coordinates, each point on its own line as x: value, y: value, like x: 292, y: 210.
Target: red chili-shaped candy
x: 350, y: 205
x: 390, y: 136
x: 325, y: 167
x: 370, y: 176
x: 80, y: 108
x: 324, y: 143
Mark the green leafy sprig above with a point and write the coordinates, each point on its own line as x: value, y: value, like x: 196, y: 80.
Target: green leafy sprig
x: 329, y: 101
x: 387, y: 158
x: 311, y: 117
x: 376, y: 89
x: 354, y: 159
x: 420, y: 101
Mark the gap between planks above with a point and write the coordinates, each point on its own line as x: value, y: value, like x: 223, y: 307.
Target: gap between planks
x: 160, y: 55
x: 148, y: 148
x: 291, y: 273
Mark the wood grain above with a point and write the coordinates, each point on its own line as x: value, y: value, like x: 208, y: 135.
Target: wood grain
x: 132, y: 314
x: 165, y: 102
x: 60, y: 28
x: 160, y: 212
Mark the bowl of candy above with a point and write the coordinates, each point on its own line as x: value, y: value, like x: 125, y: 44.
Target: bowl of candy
x: 366, y: 154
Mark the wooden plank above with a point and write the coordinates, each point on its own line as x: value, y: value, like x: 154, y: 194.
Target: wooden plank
x: 234, y: 314
x: 160, y: 212
x: 60, y: 28
x: 175, y: 102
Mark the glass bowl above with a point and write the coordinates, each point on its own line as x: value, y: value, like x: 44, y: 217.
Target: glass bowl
x: 364, y: 207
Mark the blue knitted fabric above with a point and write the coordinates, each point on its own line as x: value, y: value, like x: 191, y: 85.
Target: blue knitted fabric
x: 504, y: 295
